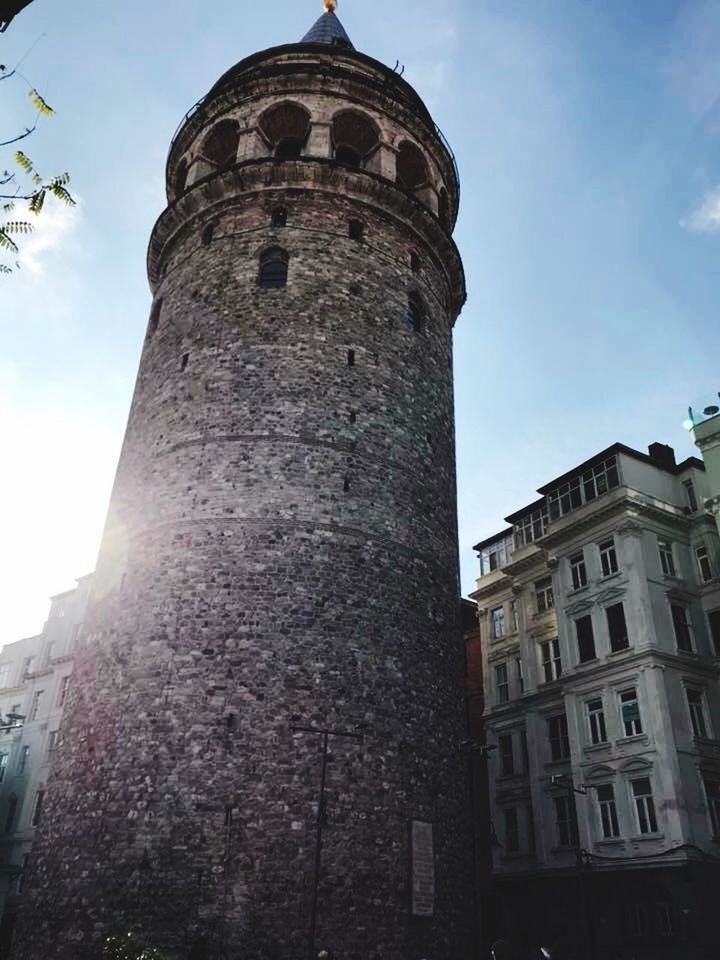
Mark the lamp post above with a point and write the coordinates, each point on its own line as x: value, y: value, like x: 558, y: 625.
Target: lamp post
x: 325, y: 734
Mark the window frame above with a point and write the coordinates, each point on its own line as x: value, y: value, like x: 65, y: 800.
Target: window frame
x: 713, y: 804
x: 559, y: 737
x: 597, y: 723
x: 713, y: 622
x: 502, y: 688
x: 609, y: 565
x: 706, y: 559
x: 568, y: 833
x: 584, y: 488
x: 544, y: 595
x: 519, y: 677
x: 683, y: 630
x: 616, y: 647
x: 644, y: 807
x: 666, y: 552
x: 584, y: 638
x: 23, y: 758
x: 691, y: 495
x: 608, y: 812
x: 273, y: 259
x: 533, y: 526
x: 698, y: 713
x: 511, y: 826
x: 506, y: 749
x: 497, y: 623
x: 554, y: 661
x: 636, y: 721
x: 578, y: 570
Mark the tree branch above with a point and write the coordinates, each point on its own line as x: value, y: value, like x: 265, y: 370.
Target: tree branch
x: 28, y: 132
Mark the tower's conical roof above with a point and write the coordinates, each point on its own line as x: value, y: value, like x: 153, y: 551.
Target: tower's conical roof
x: 328, y: 29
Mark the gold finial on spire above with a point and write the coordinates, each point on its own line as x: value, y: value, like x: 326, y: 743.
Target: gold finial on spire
x: 330, y: 5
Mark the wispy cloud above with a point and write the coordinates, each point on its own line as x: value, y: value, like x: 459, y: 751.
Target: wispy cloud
x: 706, y: 219
x: 53, y: 229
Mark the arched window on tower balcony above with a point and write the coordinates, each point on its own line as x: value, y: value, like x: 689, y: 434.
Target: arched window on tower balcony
x: 181, y: 178
x: 273, y: 269
x: 285, y: 127
x: 412, y: 169
x: 355, y: 136
x: 220, y: 146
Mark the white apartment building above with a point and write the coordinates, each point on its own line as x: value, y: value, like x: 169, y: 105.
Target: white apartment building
x: 600, y: 616
x: 34, y: 681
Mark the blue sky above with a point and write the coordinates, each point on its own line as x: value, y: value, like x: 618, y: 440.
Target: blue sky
x: 588, y: 139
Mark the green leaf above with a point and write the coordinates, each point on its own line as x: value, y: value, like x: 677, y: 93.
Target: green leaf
x: 40, y: 104
x: 7, y: 243
x: 37, y: 201
x: 9, y: 207
x: 18, y: 226
x: 61, y: 193
x: 23, y: 161
x: 4, y: 269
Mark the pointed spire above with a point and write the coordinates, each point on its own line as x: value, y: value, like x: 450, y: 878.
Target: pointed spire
x: 328, y: 29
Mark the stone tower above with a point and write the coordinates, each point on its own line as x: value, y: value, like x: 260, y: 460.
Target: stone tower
x: 280, y: 551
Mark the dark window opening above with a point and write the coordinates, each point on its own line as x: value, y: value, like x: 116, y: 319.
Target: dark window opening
x: 414, y: 315
x: 356, y: 229
x: 507, y: 755
x: 184, y: 362
x: 559, y: 737
x: 347, y: 156
x: 37, y: 809
x: 273, y: 270
x: 279, y: 217
x: 220, y: 146
x: 154, y: 317
x: 681, y: 623
x: 428, y: 437
x: 586, y: 639
x: 353, y: 416
x: 414, y: 261
x: 11, y: 811
x: 207, y: 234
x: 354, y: 136
x: 289, y: 149
x: 412, y: 171
x: 714, y: 620
x: 228, y: 816
x: 355, y: 289
x: 617, y: 627
x: 351, y: 358
x: 346, y: 485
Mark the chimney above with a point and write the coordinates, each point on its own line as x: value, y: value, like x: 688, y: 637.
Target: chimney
x: 663, y: 455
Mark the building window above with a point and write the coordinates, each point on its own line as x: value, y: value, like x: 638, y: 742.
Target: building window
x: 666, y: 922
x: 617, y: 627
x: 23, y: 759
x: 667, y: 558
x: 638, y: 924
x: 354, y: 137
x: 273, y: 269
x: 415, y: 261
x: 21, y: 877
x: 502, y: 685
x: 550, y: 660
x: 566, y: 820
x: 683, y: 628
x: 608, y: 811
x: 356, y: 229
x: 544, y: 597
x: 559, y: 737
x: 62, y: 695
x: 220, y: 146
x: 415, y: 313
x: 507, y: 755
x: 704, y: 563
x: 37, y: 808
x: 412, y: 171
x: 512, y: 831
x: 696, y: 707
x: 10, y: 815
x: 35, y: 706
x: 531, y: 528
x: 53, y: 740
x: 497, y: 623
x: 3, y: 766
x: 594, y: 483
x: 608, y: 558
x: 519, y: 676
x: 712, y: 792
x: 26, y: 668
x: 596, y: 720
x: 644, y: 806
x: 691, y: 495
x: 585, y: 639
x: 525, y: 753
x: 514, y: 616
x: 630, y: 713
x: 578, y: 571
x: 714, y: 623
x: 5, y: 675
x: 496, y: 555
x: 279, y: 217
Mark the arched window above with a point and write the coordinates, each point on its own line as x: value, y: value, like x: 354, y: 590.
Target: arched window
x: 154, y: 317
x: 356, y: 229
x: 279, y: 217
x: 181, y: 178
x: 220, y: 146
x: 273, y: 269
x: 285, y: 126
x: 412, y: 171
x: 415, y: 313
x: 354, y: 136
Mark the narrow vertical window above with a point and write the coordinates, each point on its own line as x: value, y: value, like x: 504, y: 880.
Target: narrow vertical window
x: 704, y: 564
x: 596, y: 721
x: 714, y: 624
x: 608, y: 558
x: 351, y: 358
x: 696, y: 706
x: 502, y: 686
x: 63, y: 692
x: 667, y: 558
x: 559, y: 737
x: 35, y: 706
x: 692, y: 500
x: 519, y: 676
x: 608, y: 811
x: 279, y: 217
x: 37, y: 808
x: 273, y: 269
x: 644, y: 806
x: 566, y: 821
x: 550, y: 660
x: 578, y: 571
x: 507, y: 755
x: 10, y: 815
x: 712, y: 792
x: 585, y: 639
x: 617, y: 627
x: 630, y: 713
x: 3, y: 766
x: 512, y: 832
x: 682, y: 627
x: 544, y: 597
x: 497, y: 623
x: 415, y: 314
x: 207, y: 235
x: 356, y: 229
x: 414, y: 261
x: 184, y: 362
x: 23, y: 759
x: 22, y: 874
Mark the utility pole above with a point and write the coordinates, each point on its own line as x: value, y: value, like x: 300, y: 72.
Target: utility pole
x: 325, y: 734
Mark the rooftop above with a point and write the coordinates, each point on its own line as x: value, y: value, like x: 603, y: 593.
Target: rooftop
x: 328, y: 29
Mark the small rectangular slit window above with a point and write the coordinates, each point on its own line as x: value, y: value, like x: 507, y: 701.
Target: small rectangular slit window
x: 351, y: 358
x: 184, y: 361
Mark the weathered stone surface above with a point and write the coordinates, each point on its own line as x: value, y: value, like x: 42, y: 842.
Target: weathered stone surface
x: 280, y: 550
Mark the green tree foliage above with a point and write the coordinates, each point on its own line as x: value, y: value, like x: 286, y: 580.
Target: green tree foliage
x: 130, y: 947
x: 22, y: 189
